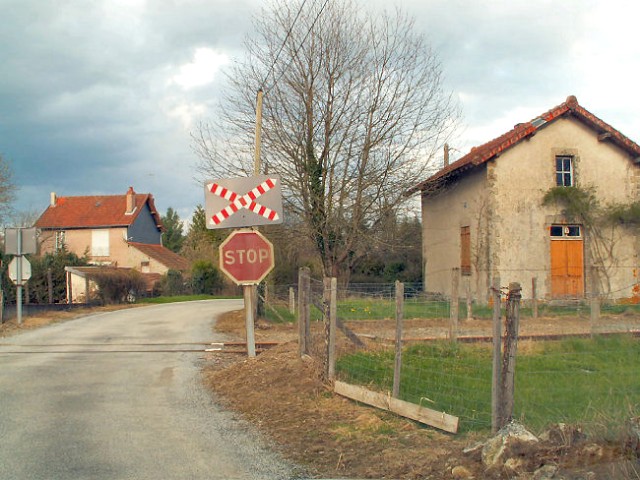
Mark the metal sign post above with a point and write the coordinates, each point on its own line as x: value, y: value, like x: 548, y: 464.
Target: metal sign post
x: 19, y: 275
x: 18, y: 242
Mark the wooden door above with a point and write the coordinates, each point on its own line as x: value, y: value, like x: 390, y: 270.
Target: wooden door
x: 567, y: 268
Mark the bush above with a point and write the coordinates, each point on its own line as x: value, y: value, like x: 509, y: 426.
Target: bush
x: 38, y: 285
x: 118, y: 285
x: 205, y: 278
x: 171, y: 284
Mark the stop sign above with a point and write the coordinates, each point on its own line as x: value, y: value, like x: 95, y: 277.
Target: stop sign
x: 246, y: 256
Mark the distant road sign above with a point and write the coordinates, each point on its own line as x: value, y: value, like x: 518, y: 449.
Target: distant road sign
x: 25, y: 270
x: 28, y: 242
x: 243, y: 202
x: 246, y: 257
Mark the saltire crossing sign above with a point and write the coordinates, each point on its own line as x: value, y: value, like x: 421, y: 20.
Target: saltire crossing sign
x: 243, y: 202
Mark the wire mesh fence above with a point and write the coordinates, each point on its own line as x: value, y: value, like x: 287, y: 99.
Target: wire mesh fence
x: 569, y: 367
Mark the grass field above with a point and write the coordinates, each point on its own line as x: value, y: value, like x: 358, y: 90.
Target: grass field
x: 177, y: 298
x: 376, y: 308
x: 591, y: 382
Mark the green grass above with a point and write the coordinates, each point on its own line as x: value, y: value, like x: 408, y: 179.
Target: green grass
x: 376, y: 308
x: 574, y: 381
x: 178, y: 298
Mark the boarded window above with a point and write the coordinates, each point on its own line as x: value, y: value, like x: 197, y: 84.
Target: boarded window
x: 465, y: 250
x: 100, y: 243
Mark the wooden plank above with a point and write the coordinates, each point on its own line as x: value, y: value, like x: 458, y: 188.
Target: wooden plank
x: 440, y: 420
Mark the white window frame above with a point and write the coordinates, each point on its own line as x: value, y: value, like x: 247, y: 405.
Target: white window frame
x: 565, y: 170
x: 59, y: 240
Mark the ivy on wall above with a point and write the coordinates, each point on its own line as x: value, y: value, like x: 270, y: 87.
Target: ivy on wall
x: 580, y: 204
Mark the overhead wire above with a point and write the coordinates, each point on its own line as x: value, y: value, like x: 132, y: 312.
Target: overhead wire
x: 295, y: 51
x: 284, y: 42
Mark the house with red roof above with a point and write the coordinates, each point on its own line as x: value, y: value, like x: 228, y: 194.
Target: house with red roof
x: 485, y: 215
x: 123, y: 231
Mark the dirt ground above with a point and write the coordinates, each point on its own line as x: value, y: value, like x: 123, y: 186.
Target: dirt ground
x: 285, y: 397
x: 333, y: 437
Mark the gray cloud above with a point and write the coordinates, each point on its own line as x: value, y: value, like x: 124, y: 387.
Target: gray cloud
x: 89, y: 101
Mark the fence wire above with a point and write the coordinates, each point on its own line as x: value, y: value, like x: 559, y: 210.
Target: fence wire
x: 569, y: 368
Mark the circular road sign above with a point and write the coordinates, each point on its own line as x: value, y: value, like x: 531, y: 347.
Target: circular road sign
x: 246, y: 257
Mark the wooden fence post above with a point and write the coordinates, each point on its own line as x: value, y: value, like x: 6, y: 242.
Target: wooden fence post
x: 510, y: 351
x: 333, y: 320
x: 497, y: 352
x: 397, y: 367
x: 50, y: 284
x: 454, y: 305
x: 595, y: 300
x: 292, y: 300
x: 304, y: 309
x: 534, y: 296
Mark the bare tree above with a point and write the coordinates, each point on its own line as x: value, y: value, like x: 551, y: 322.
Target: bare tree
x: 354, y: 111
x: 7, y: 190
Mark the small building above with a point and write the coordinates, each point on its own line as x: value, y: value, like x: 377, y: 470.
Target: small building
x: 117, y: 231
x: 491, y: 213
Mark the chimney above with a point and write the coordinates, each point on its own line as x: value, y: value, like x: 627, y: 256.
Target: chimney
x: 54, y: 199
x: 131, y: 201
x: 446, y: 155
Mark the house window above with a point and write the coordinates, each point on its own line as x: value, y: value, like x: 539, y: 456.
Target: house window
x: 59, y: 241
x: 564, y: 171
x: 465, y: 250
x: 100, y: 243
x: 565, y: 231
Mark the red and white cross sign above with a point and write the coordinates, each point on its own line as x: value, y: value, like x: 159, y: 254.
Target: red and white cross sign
x: 229, y: 201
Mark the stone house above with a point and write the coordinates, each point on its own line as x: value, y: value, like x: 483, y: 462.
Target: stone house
x: 486, y: 215
x: 118, y: 231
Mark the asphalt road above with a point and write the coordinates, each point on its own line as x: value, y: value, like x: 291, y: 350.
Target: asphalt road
x: 118, y: 396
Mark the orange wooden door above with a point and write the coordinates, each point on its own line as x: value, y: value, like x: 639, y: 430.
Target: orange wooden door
x: 567, y: 268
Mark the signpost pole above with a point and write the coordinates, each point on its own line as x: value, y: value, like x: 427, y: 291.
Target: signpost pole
x: 248, y: 314
x: 19, y: 280
x: 256, y: 171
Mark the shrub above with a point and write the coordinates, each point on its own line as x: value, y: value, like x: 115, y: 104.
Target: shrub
x: 205, y: 278
x: 171, y: 284
x: 118, y: 285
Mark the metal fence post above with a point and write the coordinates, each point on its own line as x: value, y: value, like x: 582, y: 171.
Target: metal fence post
x: 292, y: 300
x: 534, y: 297
x: 454, y: 305
x: 594, y: 317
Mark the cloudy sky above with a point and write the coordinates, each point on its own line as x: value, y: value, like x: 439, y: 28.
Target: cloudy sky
x: 100, y: 95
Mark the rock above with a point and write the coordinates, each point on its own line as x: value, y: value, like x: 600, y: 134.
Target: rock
x: 461, y: 473
x: 632, y: 437
x: 511, y: 441
x: 563, y: 435
x: 546, y: 472
x: 593, y: 452
x: 514, y: 465
x: 474, y: 451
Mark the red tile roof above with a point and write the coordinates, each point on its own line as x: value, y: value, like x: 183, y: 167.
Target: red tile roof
x: 522, y: 131
x: 162, y: 255
x: 96, y: 211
